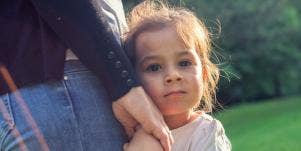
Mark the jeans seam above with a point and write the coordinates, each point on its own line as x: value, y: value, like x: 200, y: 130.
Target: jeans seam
x: 67, y: 92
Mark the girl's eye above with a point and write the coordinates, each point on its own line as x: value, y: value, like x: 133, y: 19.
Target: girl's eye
x: 185, y: 63
x: 153, y: 67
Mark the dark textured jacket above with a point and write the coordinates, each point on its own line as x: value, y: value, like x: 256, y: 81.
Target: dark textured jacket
x: 34, y: 36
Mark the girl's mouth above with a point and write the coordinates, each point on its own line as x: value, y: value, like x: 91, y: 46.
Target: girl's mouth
x: 175, y: 93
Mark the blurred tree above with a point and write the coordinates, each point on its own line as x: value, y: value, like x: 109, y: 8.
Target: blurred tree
x: 259, y: 47
x: 128, y: 4
x: 262, y: 40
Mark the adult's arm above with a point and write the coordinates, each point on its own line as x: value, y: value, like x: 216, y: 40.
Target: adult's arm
x: 82, y: 26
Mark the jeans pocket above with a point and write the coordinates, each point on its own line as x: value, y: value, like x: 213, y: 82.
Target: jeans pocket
x: 6, y: 116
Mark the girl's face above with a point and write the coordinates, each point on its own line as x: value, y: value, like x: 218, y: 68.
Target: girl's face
x: 170, y: 73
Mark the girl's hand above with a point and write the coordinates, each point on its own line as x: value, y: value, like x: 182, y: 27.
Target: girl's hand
x: 142, y: 141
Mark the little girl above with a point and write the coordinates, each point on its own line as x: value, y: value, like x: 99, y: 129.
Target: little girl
x: 170, y: 49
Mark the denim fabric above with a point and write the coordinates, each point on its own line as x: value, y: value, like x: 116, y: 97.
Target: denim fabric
x: 73, y: 114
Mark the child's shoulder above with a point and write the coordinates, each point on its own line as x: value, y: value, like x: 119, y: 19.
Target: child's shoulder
x: 203, y: 133
x: 211, y: 133
x: 206, y: 121
x: 208, y: 118
x: 203, y: 123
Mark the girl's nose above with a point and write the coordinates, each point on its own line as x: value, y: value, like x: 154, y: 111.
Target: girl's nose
x: 172, y: 77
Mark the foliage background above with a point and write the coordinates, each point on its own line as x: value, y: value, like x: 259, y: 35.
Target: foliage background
x: 257, y: 46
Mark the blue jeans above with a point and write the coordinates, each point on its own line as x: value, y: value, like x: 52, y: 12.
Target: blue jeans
x: 72, y: 114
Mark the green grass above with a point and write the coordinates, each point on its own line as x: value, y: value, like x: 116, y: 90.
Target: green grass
x: 273, y: 125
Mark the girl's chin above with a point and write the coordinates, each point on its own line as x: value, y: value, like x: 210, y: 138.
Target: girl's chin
x: 172, y: 112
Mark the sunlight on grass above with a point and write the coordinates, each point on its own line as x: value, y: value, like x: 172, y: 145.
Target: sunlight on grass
x: 273, y: 125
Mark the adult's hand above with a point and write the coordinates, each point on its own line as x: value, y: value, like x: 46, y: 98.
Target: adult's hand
x: 135, y: 108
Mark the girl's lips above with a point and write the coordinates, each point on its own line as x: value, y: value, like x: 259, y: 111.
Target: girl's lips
x: 174, y: 93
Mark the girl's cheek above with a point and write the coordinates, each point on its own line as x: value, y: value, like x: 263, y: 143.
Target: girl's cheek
x: 146, y: 82
x: 151, y: 86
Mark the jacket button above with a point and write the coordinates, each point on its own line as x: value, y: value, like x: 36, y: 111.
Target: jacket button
x: 111, y: 55
x: 129, y: 82
x: 59, y: 18
x: 117, y: 64
x: 124, y: 73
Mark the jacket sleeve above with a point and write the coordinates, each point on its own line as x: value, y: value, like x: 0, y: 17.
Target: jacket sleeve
x: 81, y: 25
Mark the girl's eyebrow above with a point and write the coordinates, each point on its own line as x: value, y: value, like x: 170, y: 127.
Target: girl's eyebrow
x: 184, y: 53
x: 146, y: 58
x: 153, y: 57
